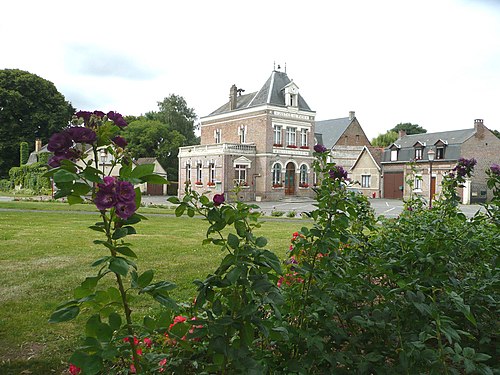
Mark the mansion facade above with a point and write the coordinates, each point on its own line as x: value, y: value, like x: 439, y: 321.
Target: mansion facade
x: 260, y: 142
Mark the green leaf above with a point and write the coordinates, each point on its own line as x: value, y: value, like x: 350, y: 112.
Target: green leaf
x: 180, y: 209
x: 130, y: 230
x: 145, y: 279
x: 174, y: 200
x: 125, y: 170
x: 119, y: 266
x: 75, y: 199
x: 127, y: 251
x: 80, y: 188
x: 97, y: 228
x: 119, y: 233
x: 154, y: 179
x: 64, y: 314
x: 138, y: 197
x: 115, y: 321
x: 233, y: 241
x: 104, y: 332
x: 100, y: 261
x: 63, y: 175
x: 142, y: 170
x: 261, y: 241
x: 92, y: 174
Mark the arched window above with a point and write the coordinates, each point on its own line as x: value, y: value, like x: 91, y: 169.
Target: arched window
x: 276, y: 174
x: 303, y: 176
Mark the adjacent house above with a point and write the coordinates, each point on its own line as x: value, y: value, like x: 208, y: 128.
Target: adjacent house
x: 446, y: 148
x: 367, y: 171
x: 344, y: 137
x: 150, y: 188
x: 260, y: 142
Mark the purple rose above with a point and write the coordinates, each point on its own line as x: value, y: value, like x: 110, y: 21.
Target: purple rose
x: 55, y: 160
x: 338, y: 173
x: 81, y: 134
x: 464, y: 167
x: 104, y: 200
x: 117, y: 119
x: 119, y: 141
x: 99, y: 114
x: 218, y: 199
x: 495, y: 169
x: 109, y: 185
x: 125, y: 209
x: 125, y: 191
x: 85, y: 115
x: 320, y: 148
x: 60, y: 142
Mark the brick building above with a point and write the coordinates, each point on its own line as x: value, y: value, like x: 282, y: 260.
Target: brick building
x: 260, y: 142
x: 478, y: 143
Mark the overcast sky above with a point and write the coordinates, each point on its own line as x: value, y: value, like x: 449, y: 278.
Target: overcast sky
x: 435, y: 63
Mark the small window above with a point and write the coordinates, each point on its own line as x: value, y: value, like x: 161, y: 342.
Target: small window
x: 277, y: 135
x: 366, y: 181
x: 303, y: 137
x: 418, y: 153
x: 218, y: 135
x: 303, y: 176
x: 291, y: 137
x: 242, y: 131
x: 277, y: 174
x: 211, y: 173
x: 188, y: 172
x: 240, y: 177
x: 394, y: 155
x: 357, y: 138
x: 440, y: 153
x: 199, y: 170
x: 418, y: 182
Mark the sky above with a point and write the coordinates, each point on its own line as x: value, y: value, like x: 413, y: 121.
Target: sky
x: 435, y: 63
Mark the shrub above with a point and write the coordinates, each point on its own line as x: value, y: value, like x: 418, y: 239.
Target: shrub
x: 291, y: 214
x: 277, y: 213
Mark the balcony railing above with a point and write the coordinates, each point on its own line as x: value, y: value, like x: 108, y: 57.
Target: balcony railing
x: 220, y: 148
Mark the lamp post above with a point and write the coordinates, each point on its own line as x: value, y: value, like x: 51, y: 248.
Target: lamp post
x: 430, y: 155
x: 104, y: 157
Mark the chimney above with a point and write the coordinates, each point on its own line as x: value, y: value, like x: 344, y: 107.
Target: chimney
x: 402, y: 133
x: 233, y: 93
x: 478, y: 123
x: 38, y: 144
x: 351, y: 115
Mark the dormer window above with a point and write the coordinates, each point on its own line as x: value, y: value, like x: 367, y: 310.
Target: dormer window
x: 419, y: 150
x: 291, y: 95
x: 440, y: 148
x: 394, y: 148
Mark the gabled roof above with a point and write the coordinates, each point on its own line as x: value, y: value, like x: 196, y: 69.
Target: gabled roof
x: 271, y: 93
x: 332, y: 130
x: 451, y: 137
x: 375, y: 154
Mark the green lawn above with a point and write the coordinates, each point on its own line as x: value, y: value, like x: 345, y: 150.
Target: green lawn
x: 44, y: 255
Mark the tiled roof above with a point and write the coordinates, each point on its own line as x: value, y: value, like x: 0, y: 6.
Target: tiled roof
x: 332, y: 130
x: 270, y: 93
x: 145, y: 161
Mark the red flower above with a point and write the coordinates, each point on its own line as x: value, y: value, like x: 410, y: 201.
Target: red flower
x: 177, y: 319
x: 148, y: 342
x: 73, y: 370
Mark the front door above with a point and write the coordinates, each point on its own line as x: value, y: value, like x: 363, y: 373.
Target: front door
x: 290, y: 179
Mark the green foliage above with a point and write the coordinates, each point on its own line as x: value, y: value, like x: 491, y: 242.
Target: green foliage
x: 277, y: 213
x: 23, y: 153
x: 152, y: 138
x: 384, y: 140
x: 496, y: 132
x: 31, y: 108
x: 409, y: 128
x: 30, y: 177
x: 6, y: 185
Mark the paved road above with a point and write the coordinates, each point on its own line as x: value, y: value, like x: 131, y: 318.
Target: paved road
x: 386, y: 207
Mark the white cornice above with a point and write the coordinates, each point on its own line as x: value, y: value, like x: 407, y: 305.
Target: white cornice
x: 264, y: 107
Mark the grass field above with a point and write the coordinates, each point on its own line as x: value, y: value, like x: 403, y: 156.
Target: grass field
x: 45, y: 254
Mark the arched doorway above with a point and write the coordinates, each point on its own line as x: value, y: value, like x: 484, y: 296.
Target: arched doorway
x: 290, y: 179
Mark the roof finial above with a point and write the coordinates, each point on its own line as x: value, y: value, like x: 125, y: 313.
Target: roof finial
x: 285, y: 67
x: 274, y: 65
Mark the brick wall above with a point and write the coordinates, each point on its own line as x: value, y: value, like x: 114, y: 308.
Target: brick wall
x: 353, y: 136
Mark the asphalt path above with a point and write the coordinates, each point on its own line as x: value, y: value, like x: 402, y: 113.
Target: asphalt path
x: 387, y: 207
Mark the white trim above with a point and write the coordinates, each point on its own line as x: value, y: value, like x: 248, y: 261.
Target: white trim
x: 242, y: 161
x: 255, y: 109
x: 359, y: 157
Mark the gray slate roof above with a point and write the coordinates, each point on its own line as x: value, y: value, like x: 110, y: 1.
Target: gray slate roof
x: 140, y: 161
x: 332, y: 130
x: 453, y: 139
x: 271, y: 93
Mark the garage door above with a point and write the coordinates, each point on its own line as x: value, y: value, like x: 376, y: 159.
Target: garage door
x: 393, y: 185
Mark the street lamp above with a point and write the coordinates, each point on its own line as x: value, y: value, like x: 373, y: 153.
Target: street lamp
x: 104, y: 158
x: 430, y: 155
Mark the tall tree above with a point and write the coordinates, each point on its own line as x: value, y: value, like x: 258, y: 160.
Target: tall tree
x: 30, y: 108
x: 409, y: 128
x: 152, y: 138
x: 384, y: 140
x: 497, y: 133
x: 174, y: 112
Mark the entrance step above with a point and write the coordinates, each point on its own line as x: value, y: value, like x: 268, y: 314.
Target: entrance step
x: 295, y: 199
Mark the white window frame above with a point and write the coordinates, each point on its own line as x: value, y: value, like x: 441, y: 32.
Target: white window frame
x: 188, y: 172
x: 419, y: 153
x: 366, y: 181
x: 417, y: 184
x: 211, y: 172
x: 276, y: 171
x: 303, y: 174
x: 240, y: 175
x: 278, y: 134
x: 303, y: 137
x: 199, y: 171
x: 439, y: 153
x: 242, y: 132
x: 291, y: 136
x: 218, y: 135
x: 394, y: 155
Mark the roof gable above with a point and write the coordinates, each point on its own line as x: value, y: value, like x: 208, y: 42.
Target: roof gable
x: 375, y: 155
x: 332, y: 130
x: 271, y: 93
